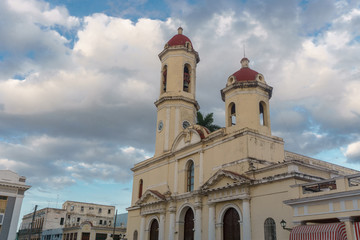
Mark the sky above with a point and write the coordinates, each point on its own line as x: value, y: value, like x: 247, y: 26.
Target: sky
x: 78, y: 79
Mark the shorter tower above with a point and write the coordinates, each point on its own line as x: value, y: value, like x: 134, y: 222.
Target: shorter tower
x: 177, y: 106
x: 246, y: 98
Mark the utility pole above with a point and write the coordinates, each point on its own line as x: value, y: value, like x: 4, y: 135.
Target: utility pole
x: 114, y: 225
x: 32, y: 222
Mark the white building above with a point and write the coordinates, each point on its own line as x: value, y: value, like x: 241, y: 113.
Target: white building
x: 48, y: 224
x: 78, y: 212
x: 12, y: 189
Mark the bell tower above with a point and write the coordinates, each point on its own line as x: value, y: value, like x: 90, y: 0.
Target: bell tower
x: 177, y: 106
x: 246, y: 98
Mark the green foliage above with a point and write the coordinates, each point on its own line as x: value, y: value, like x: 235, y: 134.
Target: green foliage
x: 207, y: 121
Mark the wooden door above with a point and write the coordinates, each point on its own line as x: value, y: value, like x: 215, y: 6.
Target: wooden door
x: 231, y: 227
x: 154, y: 230
x: 189, y: 225
x: 85, y: 236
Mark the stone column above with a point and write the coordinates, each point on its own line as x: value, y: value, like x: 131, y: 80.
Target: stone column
x: 162, y: 227
x: 176, y: 177
x: 142, y: 228
x: 211, y: 226
x: 172, y: 210
x: 15, y: 217
x: 201, y: 169
x: 197, y: 223
x: 246, y: 219
x: 219, y: 227
x: 349, y: 226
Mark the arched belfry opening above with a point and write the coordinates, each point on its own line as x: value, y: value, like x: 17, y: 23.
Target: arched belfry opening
x: 231, y: 114
x: 164, y: 79
x: 263, y: 114
x: 186, y: 78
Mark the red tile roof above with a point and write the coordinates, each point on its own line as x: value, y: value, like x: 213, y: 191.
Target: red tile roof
x: 178, y: 39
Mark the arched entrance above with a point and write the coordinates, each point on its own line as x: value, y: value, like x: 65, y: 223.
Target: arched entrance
x: 189, y: 225
x: 154, y: 230
x: 231, y: 226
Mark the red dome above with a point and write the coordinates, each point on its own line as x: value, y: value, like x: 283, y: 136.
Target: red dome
x: 179, y: 39
x: 245, y: 73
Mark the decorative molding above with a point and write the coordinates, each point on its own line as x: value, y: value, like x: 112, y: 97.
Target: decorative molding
x: 177, y: 98
x: 238, y: 179
x: 150, y: 193
x: 246, y: 84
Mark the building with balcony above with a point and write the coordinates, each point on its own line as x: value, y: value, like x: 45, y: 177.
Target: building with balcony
x: 44, y: 224
x: 75, y: 221
x: 331, y: 202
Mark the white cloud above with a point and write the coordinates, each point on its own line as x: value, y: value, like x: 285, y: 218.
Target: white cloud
x: 78, y: 107
x: 353, y: 152
x: 41, y: 12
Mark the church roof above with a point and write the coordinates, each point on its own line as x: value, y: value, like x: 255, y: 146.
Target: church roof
x: 245, y: 73
x: 179, y: 39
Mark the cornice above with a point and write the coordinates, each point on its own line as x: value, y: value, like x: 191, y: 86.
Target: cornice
x: 177, y: 98
x: 329, y: 196
x: 15, y: 185
x: 247, y: 84
x: 179, y: 47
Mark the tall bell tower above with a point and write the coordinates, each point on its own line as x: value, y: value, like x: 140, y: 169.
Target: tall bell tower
x: 177, y: 106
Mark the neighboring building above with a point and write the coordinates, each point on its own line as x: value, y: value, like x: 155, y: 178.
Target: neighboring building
x: 12, y: 189
x: 88, y: 221
x: 47, y: 225
x: 87, y: 231
x: 121, y: 220
x: 78, y: 212
x: 75, y: 221
x: 327, y: 201
x: 237, y: 182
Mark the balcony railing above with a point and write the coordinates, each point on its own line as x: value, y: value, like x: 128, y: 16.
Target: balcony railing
x: 319, y: 187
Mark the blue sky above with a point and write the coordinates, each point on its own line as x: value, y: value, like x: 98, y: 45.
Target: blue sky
x: 78, y: 79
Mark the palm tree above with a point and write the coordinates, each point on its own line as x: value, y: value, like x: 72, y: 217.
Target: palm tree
x: 207, y: 121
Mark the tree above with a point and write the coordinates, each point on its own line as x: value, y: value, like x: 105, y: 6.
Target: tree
x: 207, y: 121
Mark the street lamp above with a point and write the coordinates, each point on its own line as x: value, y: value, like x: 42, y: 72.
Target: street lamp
x: 283, y: 225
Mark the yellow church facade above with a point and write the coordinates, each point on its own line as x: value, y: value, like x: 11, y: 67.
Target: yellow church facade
x: 237, y: 182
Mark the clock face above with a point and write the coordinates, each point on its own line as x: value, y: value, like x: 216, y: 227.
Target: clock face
x: 160, y: 126
x: 185, y: 124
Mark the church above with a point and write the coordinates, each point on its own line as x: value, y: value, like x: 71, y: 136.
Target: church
x: 237, y: 182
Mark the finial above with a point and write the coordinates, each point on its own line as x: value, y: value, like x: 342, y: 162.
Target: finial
x: 244, y: 51
x: 180, y: 30
x: 244, y: 62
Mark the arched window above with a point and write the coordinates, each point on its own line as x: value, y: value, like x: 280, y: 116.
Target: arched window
x: 232, y: 114
x: 140, y: 187
x: 135, y: 235
x: 164, y: 78
x: 270, y: 229
x: 262, y: 112
x: 186, y: 84
x: 190, y: 176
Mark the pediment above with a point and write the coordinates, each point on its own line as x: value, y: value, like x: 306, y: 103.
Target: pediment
x: 189, y: 136
x: 224, y: 179
x: 151, y: 197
